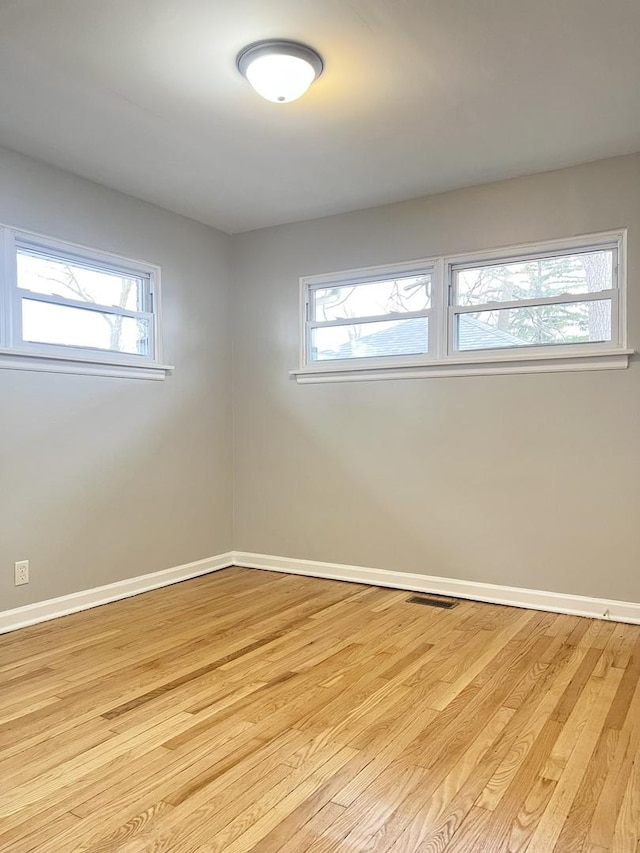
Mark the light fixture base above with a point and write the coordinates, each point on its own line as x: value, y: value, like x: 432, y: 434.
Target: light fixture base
x: 283, y: 46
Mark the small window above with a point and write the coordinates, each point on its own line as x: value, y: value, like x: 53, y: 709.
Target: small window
x: 556, y: 300
x: 68, y: 308
x: 555, y: 306
x: 382, y: 316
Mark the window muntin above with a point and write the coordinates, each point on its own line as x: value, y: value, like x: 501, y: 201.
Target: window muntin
x: 383, y: 316
x: 62, y: 301
x: 549, y: 301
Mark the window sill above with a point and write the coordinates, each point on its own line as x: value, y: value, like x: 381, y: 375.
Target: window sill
x: 497, y: 365
x: 15, y: 360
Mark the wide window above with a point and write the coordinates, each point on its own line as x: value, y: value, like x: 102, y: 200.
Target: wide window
x: 71, y: 309
x: 554, y: 306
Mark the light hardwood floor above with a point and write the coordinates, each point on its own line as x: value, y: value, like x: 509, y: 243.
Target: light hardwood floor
x: 248, y: 710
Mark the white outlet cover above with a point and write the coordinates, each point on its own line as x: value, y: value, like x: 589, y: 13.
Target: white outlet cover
x: 21, y: 572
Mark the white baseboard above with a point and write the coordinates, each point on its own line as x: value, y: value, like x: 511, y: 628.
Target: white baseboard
x: 42, y: 611
x: 533, y: 599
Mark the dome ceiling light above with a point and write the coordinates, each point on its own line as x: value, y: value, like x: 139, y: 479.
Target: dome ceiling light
x: 280, y: 70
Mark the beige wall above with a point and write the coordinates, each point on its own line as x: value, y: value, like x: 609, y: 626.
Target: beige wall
x: 530, y: 480
x: 103, y: 479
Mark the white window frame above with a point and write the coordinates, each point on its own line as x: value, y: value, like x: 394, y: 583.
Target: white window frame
x: 18, y: 354
x: 365, y: 276
x: 443, y: 358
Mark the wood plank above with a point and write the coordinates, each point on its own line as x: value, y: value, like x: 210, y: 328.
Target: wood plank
x: 552, y: 821
x: 247, y: 711
x: 627, y: 827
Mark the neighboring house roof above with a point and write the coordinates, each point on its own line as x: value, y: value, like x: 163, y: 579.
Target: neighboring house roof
x: 474, y: 334
x: 407, y: 336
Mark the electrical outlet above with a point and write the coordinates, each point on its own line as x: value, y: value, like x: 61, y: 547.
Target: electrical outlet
x: 21, y: 572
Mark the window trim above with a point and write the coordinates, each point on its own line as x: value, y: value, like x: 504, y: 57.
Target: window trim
x: 17, y: 354
x: 612, y: 354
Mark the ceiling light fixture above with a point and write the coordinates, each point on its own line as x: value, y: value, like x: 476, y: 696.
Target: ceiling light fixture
x: 280, y: 70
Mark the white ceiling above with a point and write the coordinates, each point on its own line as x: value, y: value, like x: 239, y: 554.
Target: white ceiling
x: 418, y: 96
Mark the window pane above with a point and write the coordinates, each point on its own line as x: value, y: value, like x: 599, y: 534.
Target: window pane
x: 584, y: 272
x: 42, y: 273
x: 373, y: 299
x: 371, y: 340
x: 567, y: 323
x: 45, y: 323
